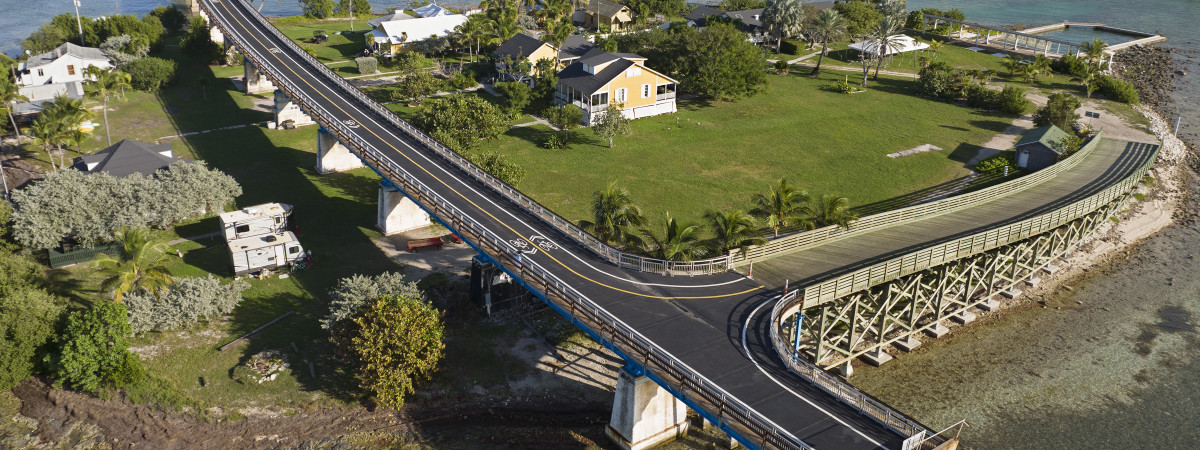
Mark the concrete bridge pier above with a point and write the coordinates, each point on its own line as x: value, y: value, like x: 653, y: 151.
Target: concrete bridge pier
x: 286, y: 109
x: 644, y: 414
x: 397, y: 213
x: 254, y: 80
x: 213, y: 31
x: 332, y: 156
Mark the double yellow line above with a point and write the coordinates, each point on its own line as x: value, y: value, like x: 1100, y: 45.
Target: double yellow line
x: 233, y: 17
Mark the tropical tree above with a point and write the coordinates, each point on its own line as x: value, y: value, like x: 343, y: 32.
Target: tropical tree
x: 935, y: 45
x: 679, y: 241
x: 10, y: 93
x: 783, y: 207
x: 828, y: 26
x: 61, y: 119
x: 885, y: 41
x: 614, y: 216
x: 783, y: 19
x: 833, y: 210
x: 1094, y: 50
x: 611, y: 123
x: 475, y: 31
x: 1011, y: 64
x: 731, y: 230
x: 141, y: 267
x: 1088, y: 76
x: 47, y: 131
x: 105, y: 84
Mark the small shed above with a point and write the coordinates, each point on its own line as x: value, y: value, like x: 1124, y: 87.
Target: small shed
x: 1039, y: 148
x: 126, y: 158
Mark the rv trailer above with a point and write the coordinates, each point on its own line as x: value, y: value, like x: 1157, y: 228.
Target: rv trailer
x: 257, y: 220
x: 272, y: 251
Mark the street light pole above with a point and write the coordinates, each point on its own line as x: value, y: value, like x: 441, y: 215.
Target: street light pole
x: 351, y: 15
x: 79, y: 22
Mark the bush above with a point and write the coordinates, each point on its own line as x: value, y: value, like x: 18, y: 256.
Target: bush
x: 93, y: 351
x: 790, y: 47
x: 939, y: 80
x: 1012, y: 101
x: 28, y: 316
x: 367, y: 64
x: 150, y: 74
x: 1059, y: 111
x: 182, y: 304
x: 1068, y: 65
x: 843, y: 86
x: 555, y: 142
x: 395, y: 343
x: 996, y: 164
x: 498, y: 166
x: 461, y: 121
x: 1118, y: 90
x: 781, y: 67
x: 462, y: 80
x: 979, y: 96
x: 516, y: 94
x: 198, y: 42
x: 172, y: 18
x: 352, y: 295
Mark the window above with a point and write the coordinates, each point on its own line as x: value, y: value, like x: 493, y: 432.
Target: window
x: 633, y: 72
x: 645, y: 90
x: 70, y: 69
x: 600, y: 99
x: 242, y: 229
x: 293, y: 250
x: 278, y: 219
x: 40, y: 73
x: 620, y: 96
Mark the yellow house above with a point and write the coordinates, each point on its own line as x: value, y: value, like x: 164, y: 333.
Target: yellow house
x: 617, y: 16
x: 523, y: 51
x: 600, y: 78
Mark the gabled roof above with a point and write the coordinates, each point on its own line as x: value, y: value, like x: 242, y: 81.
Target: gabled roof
x: 575, y: 77
x: 605, y: 8
x: 42, y: 93
x: 1048, y: 136
x: 518, y: 47
x: 66, y: 49
x: 418, y: 28
x: 701, y: 13
x: 126, y: 158
x: 398, y: 15
x: 432, y: 10
x: 575, y: 47
x: 749, y: 17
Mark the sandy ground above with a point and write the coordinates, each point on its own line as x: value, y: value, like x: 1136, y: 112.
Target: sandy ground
x: 451, y: 259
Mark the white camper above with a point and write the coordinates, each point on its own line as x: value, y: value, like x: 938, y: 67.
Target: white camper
x: 271, y: 251
x: 257, y: 220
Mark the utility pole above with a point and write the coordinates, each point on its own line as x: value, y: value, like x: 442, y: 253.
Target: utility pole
x: 4, y: 179
x: 79, y: 22
x: 351, y: 15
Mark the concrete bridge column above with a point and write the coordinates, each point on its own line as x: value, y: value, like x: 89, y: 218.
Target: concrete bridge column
x: 332, y: 156
x: 397, y: 214
x: 286, y: 109
x: 644, y: 414
x: 254, y: 80
x: 213, y: 31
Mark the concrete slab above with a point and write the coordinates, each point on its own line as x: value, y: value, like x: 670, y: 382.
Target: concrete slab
x: 1034, y: 281
x: 963, y: 317
x: 937, y: 331
x: 1012, y: 293
x: 908, y: 345
x: 877, y: 358
x: 1050, y: 269
x: 993, y: 304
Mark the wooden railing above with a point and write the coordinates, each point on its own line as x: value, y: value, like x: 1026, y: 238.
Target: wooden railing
x: 808, y: 239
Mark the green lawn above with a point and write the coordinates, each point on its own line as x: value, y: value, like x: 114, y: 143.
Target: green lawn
x: 339, y: 47
x: 716, y: 156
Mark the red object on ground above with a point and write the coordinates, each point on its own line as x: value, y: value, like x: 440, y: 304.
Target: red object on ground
x: 417, y: 244
x: 453, y: 238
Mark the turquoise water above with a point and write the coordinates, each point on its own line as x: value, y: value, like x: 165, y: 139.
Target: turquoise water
x: 1087, y: 34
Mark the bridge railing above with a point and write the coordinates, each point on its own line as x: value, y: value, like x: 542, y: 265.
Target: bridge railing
x: 808, y: 239
x: 625, y: 260
x: 730, y: 412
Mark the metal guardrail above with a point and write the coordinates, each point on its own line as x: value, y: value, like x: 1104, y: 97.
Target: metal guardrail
x: 730, y: 412
x: 808, y: 239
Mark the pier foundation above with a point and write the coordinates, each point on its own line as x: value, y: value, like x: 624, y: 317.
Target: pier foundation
x: 644, y: 414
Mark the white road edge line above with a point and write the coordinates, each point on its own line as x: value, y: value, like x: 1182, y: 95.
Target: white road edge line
x: 746, y: 348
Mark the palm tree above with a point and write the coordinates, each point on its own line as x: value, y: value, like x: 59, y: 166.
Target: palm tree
x: 107, y: 83
x: 1087, y: 76
x: 1094, y: 50
x: 1011, y: 64
x: 679, y: 242
x: 49, y: 132
x: 66, y: 114
x: 783, y: 207
x: 828, y: 26
x: 733, y: 230
x: 833, y: 210
x: 11, y: 93
x: 475, y: 31
x: 885, y: 41
x: 614, y: 215
x: 935, y: 45
x: 142, y: 265
x: 557, y: 33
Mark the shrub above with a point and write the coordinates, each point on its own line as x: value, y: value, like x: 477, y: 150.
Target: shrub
x: 367, y: 64
x: 28, y: 315
x: 555, y: 142
x: 790, y: 47
x: 93, y: 350
x: 1059, y: 111
x: 418, y: 84
x: 996, y: 164
x: 979, y: 96
x: 1118, y: 90
x: 843, y: 86
x: 462, y: 80
x: 172, y: 18
x: 1012, y: 101
x: 781, y: 67
x: 198, y: 42
x: 184, y: 303
x: 564, y: 117
x: 939, y: 80
x: 150, y: 74
x: 1068, y: 145
x: 395, y: 343
x: 516, y: 94
x: 352, y: 295
x: 461, y: 121
x: 498, y: 166
x: 1068, y: 65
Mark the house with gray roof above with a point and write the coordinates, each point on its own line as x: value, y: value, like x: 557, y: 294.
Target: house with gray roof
x: 618, y: 17
x: 397, y: 15
x: 127, y: 158
x: 526, y: 50
x: 62, y: 65
x: 600, y: 79
x: 40, y: 94
x: 1040, y: 148
x: 699, y: 16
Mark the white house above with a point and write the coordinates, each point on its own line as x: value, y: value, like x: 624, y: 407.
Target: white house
x: 391, y: 36
x: 432, y: 10
x: 64, y: 64
x: 40, y: 94
x: 896, y: 45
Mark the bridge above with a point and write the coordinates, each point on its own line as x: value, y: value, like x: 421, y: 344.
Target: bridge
x: 699, y: 335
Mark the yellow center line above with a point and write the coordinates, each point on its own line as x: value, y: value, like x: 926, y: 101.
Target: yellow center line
x: 435, y: 177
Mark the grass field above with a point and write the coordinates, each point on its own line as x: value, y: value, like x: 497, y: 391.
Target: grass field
x: 716, y: 156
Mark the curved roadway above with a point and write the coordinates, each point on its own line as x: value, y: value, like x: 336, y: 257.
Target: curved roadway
x: 707, y: 323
